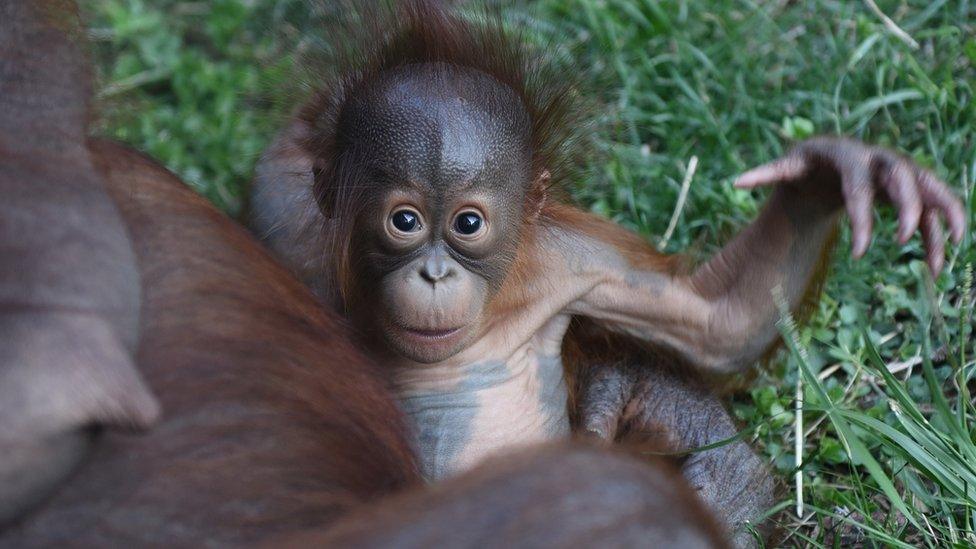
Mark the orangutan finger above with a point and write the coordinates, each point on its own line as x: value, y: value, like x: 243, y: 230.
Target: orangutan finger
x: 934, y: 240
x: 859, y: 201
x: 605, y: 395
x: 937, y: 194
x: 901, y: 188
x: 789, y: 168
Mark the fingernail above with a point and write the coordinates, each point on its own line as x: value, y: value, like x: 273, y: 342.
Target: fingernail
x: 859, y: 246
x: 957, y: 236
x: 903, y: 236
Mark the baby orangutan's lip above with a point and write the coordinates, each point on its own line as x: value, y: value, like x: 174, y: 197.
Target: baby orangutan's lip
x: 432, y: 334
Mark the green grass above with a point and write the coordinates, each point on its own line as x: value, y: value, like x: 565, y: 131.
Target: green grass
x: 196, y: 85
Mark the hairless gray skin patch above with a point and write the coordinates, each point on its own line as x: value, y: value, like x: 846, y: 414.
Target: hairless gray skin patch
x: 464, y: 411
x: 454, y: 425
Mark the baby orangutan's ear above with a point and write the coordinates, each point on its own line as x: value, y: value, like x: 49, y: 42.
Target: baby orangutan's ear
x: 326, y: 191
x: 538, y: 196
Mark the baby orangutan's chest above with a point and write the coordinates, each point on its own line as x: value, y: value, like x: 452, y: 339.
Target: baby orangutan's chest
x: 494, y: 405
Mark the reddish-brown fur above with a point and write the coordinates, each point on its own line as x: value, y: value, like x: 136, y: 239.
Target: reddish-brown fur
x: 558, y: 213
x: 272, y: 419
x: 557, y: 495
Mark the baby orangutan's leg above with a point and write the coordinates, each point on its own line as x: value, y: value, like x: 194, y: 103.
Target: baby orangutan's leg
x: 632, y: 402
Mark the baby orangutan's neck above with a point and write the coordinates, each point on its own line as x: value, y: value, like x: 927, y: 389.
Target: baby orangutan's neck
x: 463, y: 413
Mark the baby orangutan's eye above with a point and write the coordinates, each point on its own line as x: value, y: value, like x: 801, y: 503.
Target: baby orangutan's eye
x: 468, y: 223
x: 405, y: 220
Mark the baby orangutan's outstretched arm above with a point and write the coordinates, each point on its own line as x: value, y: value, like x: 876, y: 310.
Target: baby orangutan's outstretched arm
x: 722, y: 316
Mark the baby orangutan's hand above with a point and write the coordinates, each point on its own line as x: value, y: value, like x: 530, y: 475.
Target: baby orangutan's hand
x: 851, y: 172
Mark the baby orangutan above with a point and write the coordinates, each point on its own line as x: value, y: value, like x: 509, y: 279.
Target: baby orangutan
x: 127, y: 300
x: 418, y: 192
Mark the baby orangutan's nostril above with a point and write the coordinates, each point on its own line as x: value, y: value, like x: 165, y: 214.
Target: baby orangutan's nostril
x: 435, y: 274
x: 436, y: 267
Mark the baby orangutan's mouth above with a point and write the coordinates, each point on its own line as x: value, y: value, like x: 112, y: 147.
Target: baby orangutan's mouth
x: 428, y: 344
x: 428, y: 334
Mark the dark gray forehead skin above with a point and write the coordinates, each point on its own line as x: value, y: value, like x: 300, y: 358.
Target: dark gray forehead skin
x: 444, y: 128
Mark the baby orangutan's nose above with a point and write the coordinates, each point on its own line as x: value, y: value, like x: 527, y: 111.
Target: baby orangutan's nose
x: 436, y: 267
